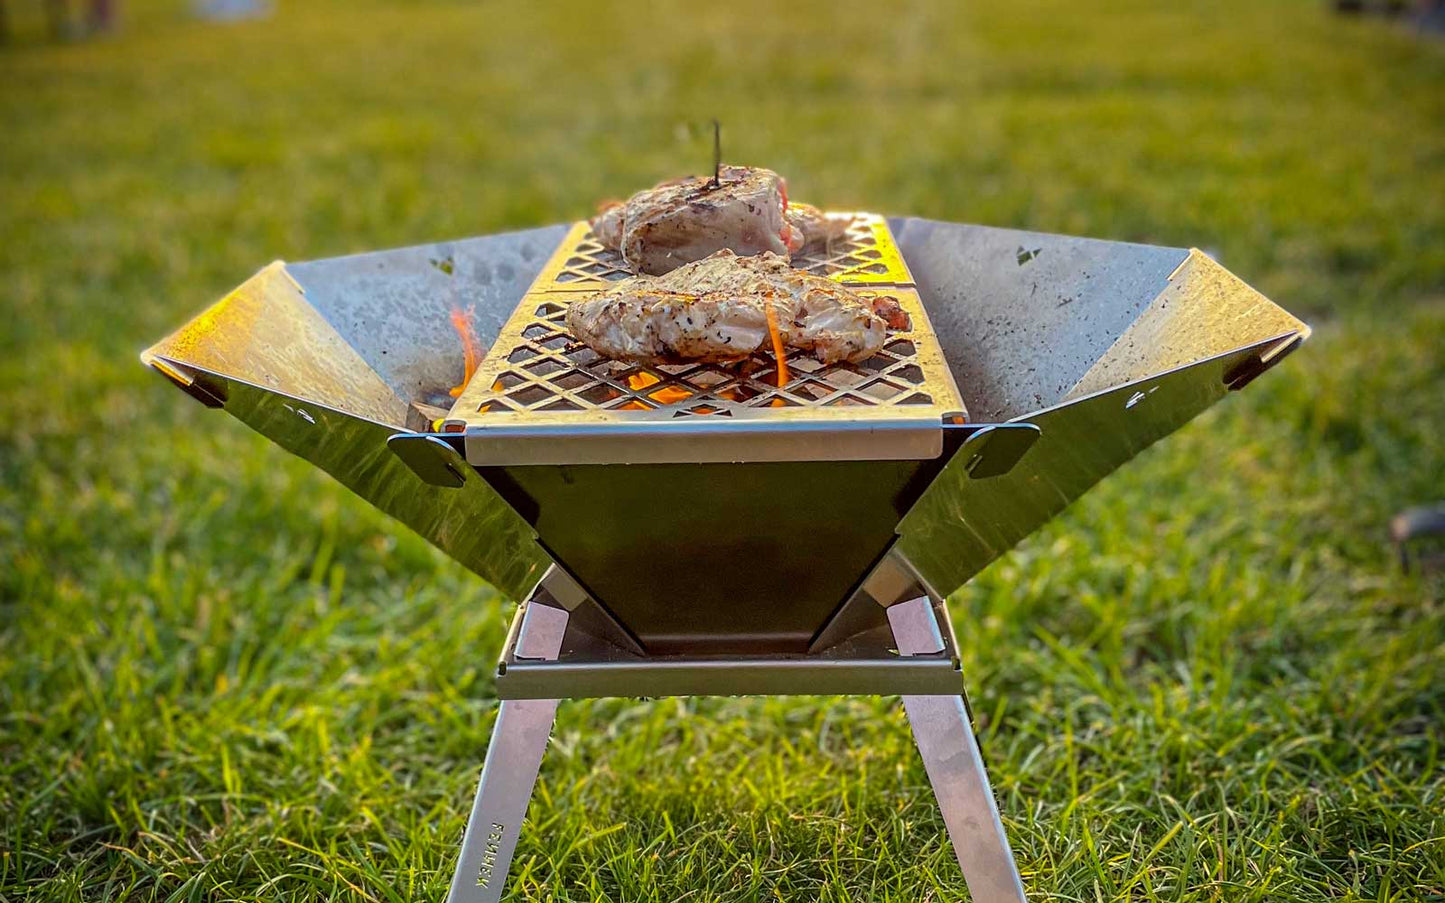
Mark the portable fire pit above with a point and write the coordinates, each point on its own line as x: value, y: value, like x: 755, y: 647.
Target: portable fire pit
x: 700, y: 529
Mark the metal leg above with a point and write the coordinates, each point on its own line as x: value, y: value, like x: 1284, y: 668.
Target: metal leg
x: 514, y: 757
x: 951, y: 757
x: 513, y: 760
x: 941, y: 729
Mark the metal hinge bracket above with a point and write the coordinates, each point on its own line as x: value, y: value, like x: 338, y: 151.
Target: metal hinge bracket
x: 431, y: 458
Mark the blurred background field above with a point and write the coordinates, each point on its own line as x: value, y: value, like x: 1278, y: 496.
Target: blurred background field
x: 224, y: 677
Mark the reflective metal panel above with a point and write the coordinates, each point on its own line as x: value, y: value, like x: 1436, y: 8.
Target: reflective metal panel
x: 1204, y: 310
x: 323, y: 358
x: 961, y: 523
x: 470, y: 523
x: 394, y: 307
x: 1022, y: 316
x: 726, y: 558
x: 266, y: 333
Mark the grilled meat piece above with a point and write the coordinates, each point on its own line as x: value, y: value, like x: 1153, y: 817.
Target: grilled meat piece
x: 817, y: 229
x: 687, y: 219
x: 887, y: 307
x: 715, y: 309
x: 607, y: 224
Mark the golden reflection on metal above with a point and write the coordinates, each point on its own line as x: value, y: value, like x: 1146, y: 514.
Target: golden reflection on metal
x: 265, y: 333
x: 1204, y: 310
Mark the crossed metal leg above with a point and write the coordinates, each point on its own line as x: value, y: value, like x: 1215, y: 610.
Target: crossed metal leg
x: 955, y: 769
x: 519, y: 739
x: 940, y: 726
x: 945, y: 739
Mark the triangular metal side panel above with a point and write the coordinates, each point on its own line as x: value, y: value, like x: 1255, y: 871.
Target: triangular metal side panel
x: 1205, y: 310
x: 266, y: 334
x: 395, y: 307
x: 961, y: 524
x: 295, y: 353
x: 1022, y: 316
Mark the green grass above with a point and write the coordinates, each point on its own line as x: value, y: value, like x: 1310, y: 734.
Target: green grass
x: 223, y: 677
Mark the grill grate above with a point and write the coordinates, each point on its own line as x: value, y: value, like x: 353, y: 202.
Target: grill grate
x: 537, y: 371
x: 547, y: 371
x: 864, y: 254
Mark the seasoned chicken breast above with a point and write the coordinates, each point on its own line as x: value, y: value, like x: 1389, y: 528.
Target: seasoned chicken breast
x: 716, y: 309
x: 687, y: 219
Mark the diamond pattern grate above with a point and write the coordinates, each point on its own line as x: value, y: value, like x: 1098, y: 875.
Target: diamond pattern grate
x: 535, y: 369
x: 545, y: 370
x: 863, y: 255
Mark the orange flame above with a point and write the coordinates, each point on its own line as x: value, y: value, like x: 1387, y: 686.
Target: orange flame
x: 778, y: 352
x: 471, y: 353
x: 670, y: 394
x: 666, y: 395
